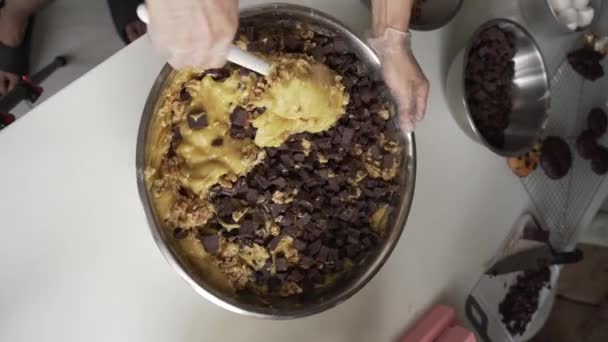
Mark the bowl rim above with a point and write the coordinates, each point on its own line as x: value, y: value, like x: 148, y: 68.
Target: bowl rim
x: 546, y: 81
x: 172, y: 257
x: 447, y: 20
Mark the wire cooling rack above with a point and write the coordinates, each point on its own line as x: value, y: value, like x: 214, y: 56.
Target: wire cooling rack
x: 561, y: 204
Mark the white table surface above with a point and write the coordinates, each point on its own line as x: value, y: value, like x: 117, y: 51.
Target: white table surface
x: 77, y: 262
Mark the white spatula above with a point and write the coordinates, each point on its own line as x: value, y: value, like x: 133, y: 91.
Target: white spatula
x: 235, y: 55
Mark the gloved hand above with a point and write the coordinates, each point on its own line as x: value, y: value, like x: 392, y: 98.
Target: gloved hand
x: 193, y: 33
x: 403, y: 75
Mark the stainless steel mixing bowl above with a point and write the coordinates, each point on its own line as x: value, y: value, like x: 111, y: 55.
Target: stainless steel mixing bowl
x: 530, y: 87
x: 433, y: 15
x: 283, y: 15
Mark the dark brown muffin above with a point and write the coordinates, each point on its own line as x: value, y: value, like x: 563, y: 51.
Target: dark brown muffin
x: 555, y: 157
x: 586, y: 144
x: 599, y: 162
x: 587, y: 62
x: 597, y: 121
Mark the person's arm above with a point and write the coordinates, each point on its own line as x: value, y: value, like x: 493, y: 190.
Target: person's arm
x: 401, y: 72
x: 391, y: 13
x: 24, y: 8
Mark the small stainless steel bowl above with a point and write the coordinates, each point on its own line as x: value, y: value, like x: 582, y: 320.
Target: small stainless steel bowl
x: 283, y: 15
x: 434, y: 14
x: 542, y: 18
x: 530, y: 93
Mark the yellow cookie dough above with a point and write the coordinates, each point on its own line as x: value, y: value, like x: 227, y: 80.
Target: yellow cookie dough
x: 301, y: 96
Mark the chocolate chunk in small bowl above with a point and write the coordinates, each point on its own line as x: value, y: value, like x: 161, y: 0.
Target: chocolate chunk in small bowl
x: 217, y: 142
x: 198, y: 120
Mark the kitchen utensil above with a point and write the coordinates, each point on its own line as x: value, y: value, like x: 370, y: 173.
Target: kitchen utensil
x: 534, y: 258
x: 530, y: 91
x: 235, y: 54
x: 287, y: 16
x: 429, y: 15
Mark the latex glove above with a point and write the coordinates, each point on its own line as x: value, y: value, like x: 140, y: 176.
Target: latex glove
x: 193, y: 33
x: 403, y: 75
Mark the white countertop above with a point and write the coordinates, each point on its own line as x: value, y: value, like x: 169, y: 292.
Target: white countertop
x: 77, y: 262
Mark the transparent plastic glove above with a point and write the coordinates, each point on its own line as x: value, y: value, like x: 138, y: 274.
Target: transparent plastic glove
x: 403, y: 75
x: 193, y: 33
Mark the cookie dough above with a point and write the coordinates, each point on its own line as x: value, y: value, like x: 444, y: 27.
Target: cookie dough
x: 599, y: 162
x: 597, y: 121
x: 586, y: 144
x: 524, y: 165
x: 300, y: 96
x: 555, y: 157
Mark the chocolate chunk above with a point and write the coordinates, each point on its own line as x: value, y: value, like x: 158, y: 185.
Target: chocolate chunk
x: 599, y: 162
x: 217, y: 142
x: 293, y: 45
x: 262, y: 181
x: 218, y: 74
x: 247, y: 228
x: 250, y: 33
x: 586, y: 144
x: 239, y: 117
x: 184, y: 95
x: 555, y: 157
x: 180, y: 233
x: 211, y: 243
x: 299, y: 157
x: 375, y: 152
x: 277, y: 209
x: 280, y: 264
x: 299, y: 245
x: 295, y: 275
x: 366, y: 94
x: 252, y: 196
x: 323, y: 254
x: 279, y: 182
x: 238, y: 133
x: 303, y: 220
x: 275, y: 242
x: 314, y: 248
x: 197, y: 120
x: 347, y: 136
x: 274, y: 284
x: 597, y: 121
x: 306, y: 262
x: 224, y: 206
x: 388, y: 161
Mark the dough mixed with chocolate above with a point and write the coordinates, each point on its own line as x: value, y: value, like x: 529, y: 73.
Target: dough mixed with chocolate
x: 275, y: 185
x: 488, y: 83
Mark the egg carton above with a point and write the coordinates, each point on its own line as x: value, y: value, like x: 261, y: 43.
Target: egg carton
x: 561, y: 204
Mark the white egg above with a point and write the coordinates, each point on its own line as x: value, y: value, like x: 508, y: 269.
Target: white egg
x: 568, y: 16
x: 580, y: 4
x: 585, y: 17
x: 559, y: 5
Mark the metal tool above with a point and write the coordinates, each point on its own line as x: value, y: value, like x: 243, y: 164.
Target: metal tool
x: 534, y: 258
x: 235, y: 54
x: 26, y: 90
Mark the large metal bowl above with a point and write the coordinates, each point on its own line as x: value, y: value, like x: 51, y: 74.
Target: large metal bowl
x: 287, y: 16
x: 433, y: 14
x: 530, y: 87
